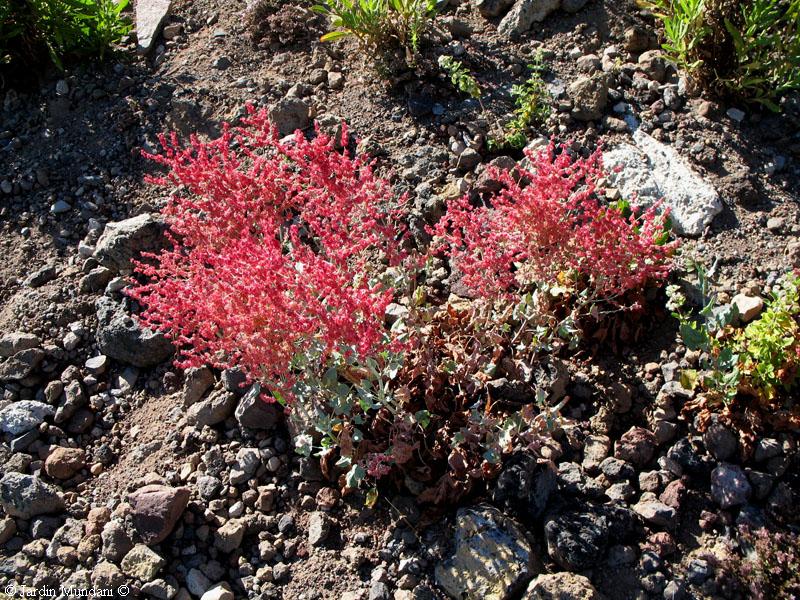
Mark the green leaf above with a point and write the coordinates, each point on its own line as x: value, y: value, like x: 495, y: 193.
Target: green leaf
x: 694, y: 338
x: 423, y: 417
x: 372, y: 497
x: 334, y: 35
x: 354, y: 477
x: 689, y: 379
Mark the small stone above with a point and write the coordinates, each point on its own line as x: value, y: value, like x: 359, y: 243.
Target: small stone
x: 730, y: 486
x: 335, y: 80
x: 767, y: 448
x: 150, y: 15
x: 97, y: 365
x: 156, y: 509
x: 220, y: 591
x: 468, y: 159
x: 142, y: 563
x: 229, y: 536
x: 254, y: 412
x: 63, y: 463
x: 197, y: 583
x: 60, y: 207
x: 196, y: 383
x: 589, y: 97
x: 653, y: 64
x: 749, y: 307
x: 561, y: 586
x: 25, y: 415
x: 217, y: 407
x: 8, y: 527
x: 656, y: 513
x: 735, y: 114
x: 11, y: 343
x: 26, y: 496
x: 720, y: 441
x: 319, y: 527
x: 492, y: 559
x: 637, y: 446
x: 775, y: 224
x: 576, y: 540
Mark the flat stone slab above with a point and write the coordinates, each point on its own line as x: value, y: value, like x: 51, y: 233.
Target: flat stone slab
x: 651, y: 171
x: 150, y: 15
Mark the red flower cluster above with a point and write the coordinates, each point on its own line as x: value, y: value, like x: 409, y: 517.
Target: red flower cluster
x: 548, y: 221
x: 270, y: 244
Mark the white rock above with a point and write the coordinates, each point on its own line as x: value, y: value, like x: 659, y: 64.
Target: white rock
x: 524, y: 14
x: 651, y: 171
x: 150, y: 15
x: 221, y: 591
x: 749, y: 307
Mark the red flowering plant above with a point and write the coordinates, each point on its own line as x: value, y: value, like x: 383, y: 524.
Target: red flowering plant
x: 550, y: 232
x: 277, y: 247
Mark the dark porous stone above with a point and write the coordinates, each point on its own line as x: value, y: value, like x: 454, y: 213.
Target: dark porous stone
x: 525, y: 485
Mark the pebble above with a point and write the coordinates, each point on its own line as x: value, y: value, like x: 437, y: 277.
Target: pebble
x: 60, y: 207
x: 735, y: 114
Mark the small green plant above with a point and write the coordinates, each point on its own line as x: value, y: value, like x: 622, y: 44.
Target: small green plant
x: 379, y: 24
x: 766, y: 41
x: 761, y: 359
x: 59, y: 28
x: 719, y: 363
x: 460, y: 76
x: 747, y: 48
x: 532, y: 106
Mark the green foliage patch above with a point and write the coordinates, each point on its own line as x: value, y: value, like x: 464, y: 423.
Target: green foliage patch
x: 33, y: 29
x: 746, y: 48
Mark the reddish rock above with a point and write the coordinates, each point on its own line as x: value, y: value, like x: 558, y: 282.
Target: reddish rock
x: 637, y: 446
x: 63, y: 463
x: 673, y: 494
x: 96, y: 520
x: 327, y: 498
x: 156, y: 509
x: 662, y: 543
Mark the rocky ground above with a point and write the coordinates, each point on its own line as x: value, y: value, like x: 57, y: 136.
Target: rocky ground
x: 123, y: 473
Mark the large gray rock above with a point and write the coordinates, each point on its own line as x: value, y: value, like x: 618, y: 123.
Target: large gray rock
x: 122, y: 338
x: 21, y: 365
x: 125, y: 240
x: 524, y: 14
x: 150, y: 15
x: 11, y: 343
x: 290, y: 114
x: 589, y: 97
x: 493, y: 558
x: 253, y: 412
x: 22, y: 416
x: 651, y: 171
x: 215, y: 409
x: 156, y: 509
x: 26, y: 496
x: 730, y: 486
